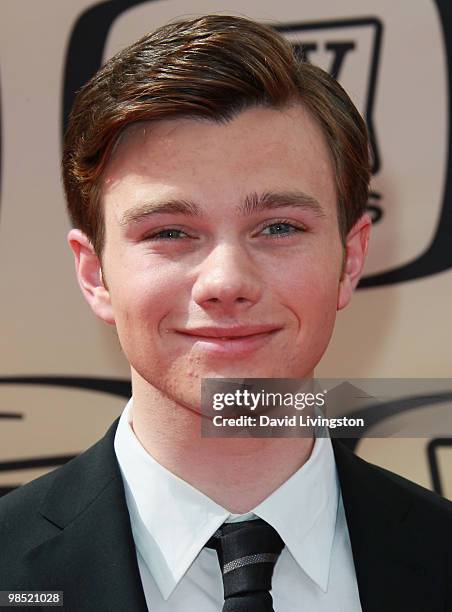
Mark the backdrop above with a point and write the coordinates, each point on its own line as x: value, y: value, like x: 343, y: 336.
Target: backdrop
x: 63, y: 378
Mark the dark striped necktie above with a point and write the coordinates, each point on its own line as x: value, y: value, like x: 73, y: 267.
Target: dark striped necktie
x: 247, y: 553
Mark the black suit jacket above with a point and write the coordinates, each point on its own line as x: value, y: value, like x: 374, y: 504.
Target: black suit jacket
x: 69, y: 530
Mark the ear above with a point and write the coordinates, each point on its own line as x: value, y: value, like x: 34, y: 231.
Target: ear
x: 89, y: 275
x: 355, y: 255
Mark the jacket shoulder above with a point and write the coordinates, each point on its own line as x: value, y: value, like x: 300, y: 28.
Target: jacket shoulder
x: 20, y: 527
x: 422, y: 496
x: 388, y: 489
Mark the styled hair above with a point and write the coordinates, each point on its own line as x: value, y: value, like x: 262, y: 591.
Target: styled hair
x: 213, y: 67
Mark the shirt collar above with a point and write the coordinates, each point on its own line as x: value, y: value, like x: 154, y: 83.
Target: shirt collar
x: 171, y: 520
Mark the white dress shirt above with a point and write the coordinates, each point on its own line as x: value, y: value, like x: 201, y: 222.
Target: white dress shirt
x: 171, y: 522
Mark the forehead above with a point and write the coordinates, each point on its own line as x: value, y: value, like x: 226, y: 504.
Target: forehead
x: 218, y: 164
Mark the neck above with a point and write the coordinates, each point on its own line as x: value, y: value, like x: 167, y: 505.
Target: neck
x: 237, y: 473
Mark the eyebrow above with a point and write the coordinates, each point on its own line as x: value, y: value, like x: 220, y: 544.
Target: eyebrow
x: 252, y: 204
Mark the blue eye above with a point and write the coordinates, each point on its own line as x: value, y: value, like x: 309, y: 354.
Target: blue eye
x: 275, y: 227
x: 171, y: 234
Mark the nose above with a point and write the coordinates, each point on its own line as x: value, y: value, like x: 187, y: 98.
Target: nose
x: 227, y: 280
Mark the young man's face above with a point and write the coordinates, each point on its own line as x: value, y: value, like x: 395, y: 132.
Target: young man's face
x: 260, y: 256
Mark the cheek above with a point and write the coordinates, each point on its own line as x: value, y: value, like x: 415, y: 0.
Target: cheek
x: 311, y: 286
x: 141, y: 304
x: 312, y: 300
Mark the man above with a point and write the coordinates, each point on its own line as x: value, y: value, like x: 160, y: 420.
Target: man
x: 217, y: 187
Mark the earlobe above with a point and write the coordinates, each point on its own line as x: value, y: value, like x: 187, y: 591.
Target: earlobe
x: 89, y: 276
x: 356, y: 247
x: 345, y: 292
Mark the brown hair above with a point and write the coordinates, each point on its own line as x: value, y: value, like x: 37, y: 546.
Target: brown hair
x: 213, y: 67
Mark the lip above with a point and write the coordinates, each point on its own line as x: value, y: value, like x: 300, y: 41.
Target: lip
x: 230, y: 340
x: 238, y: 331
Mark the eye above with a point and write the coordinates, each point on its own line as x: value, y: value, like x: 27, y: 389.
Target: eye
x: 282, y: 229
x: 165, y: 234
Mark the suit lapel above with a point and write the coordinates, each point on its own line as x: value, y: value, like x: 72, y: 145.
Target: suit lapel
x: 91, y: 557
x: 386, y: 545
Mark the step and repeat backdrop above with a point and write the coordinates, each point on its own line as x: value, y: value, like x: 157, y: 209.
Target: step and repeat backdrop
x: 63, y: 378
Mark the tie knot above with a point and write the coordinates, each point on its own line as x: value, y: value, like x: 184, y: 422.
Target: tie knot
x: 247, y: 553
